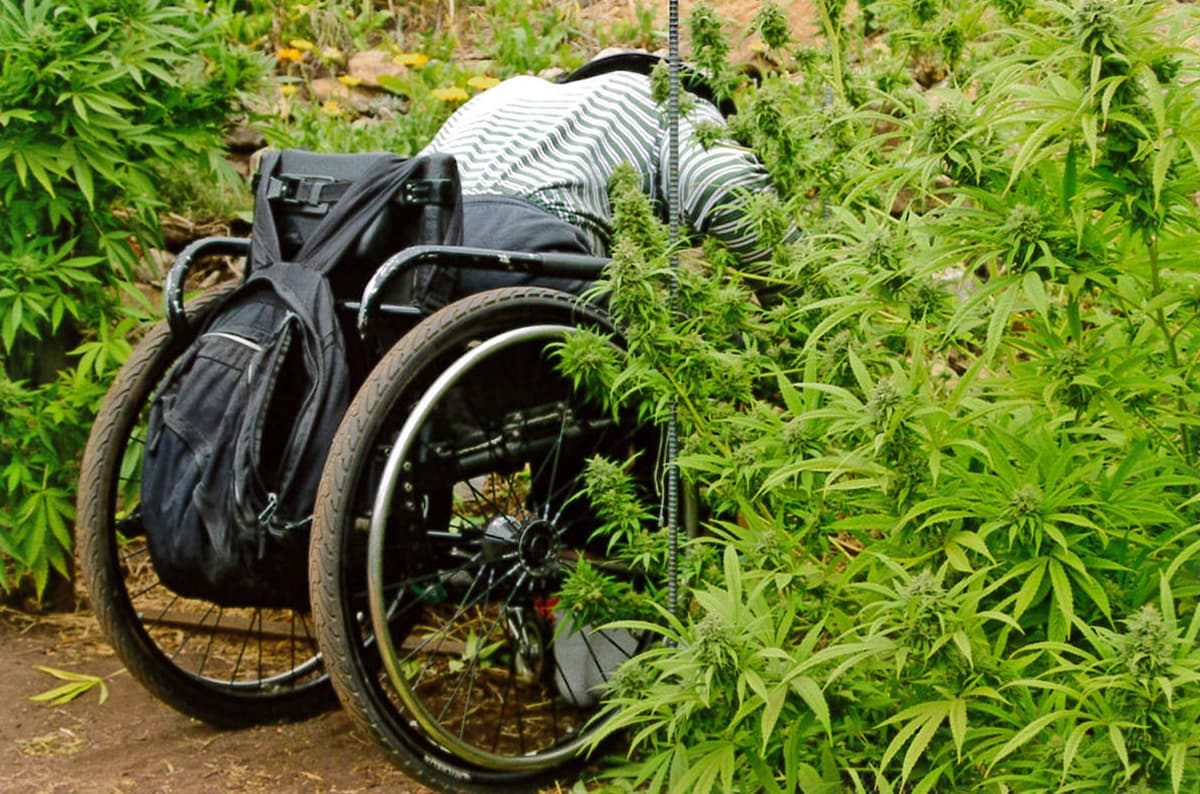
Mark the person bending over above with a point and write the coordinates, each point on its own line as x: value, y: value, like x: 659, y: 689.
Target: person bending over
x: 535, y: 158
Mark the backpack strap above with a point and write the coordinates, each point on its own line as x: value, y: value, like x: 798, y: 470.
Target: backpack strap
x: 323, y: 192
x: 312, y: 190
x: 352, y: 206
x: 358, y: 207
x: 264, y: 242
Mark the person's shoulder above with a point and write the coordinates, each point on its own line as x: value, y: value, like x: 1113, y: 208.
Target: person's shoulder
x: 618, y: 86
x: 522, y: 83
x: 624, y: 81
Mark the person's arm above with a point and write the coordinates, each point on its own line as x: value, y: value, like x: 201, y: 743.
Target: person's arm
x: 714, y: 184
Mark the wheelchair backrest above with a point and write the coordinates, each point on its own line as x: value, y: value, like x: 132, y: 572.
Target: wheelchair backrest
x: 305, y: 185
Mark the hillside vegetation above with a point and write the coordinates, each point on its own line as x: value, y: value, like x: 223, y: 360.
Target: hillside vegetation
x: 950, y: 477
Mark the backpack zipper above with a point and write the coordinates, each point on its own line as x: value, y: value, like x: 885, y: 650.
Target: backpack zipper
x: 264, y: 522
x: 241, y: 340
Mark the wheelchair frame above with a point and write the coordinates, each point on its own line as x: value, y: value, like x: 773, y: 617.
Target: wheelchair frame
x: 362, y: 650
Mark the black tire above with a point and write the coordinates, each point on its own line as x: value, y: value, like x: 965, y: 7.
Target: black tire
x: 227, y: 667
x: 478, y: 699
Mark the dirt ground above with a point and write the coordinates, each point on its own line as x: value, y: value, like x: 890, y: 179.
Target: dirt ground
x: 738, y: 15
x: 133, y: 743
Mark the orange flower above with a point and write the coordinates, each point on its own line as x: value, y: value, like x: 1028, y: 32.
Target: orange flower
x: 451, y: 94
x: 483, y: 82
x: 289, y: 54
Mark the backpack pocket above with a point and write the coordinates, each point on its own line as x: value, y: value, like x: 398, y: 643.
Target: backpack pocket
x: 207, y: 496
x: 189, y: 530
x: 280, y: 389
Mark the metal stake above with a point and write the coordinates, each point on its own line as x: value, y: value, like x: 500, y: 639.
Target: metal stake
x: 673, y: 228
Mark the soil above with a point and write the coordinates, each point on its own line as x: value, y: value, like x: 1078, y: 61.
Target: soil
x: 134, y: 743
x: 737, y: 14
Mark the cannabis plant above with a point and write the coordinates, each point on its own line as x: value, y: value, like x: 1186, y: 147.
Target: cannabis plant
x: 950, y: 468
x: 93, y: 95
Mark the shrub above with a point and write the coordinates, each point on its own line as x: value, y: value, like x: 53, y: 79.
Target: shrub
x: 91, y: 95
x: 961, y: 453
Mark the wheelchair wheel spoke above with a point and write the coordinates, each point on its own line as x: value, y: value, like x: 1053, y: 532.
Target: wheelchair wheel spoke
x: 212, y: 636
x: 152, y: 586
x: 165, y: 610
x: 241, y: 654
x: 461, y: 611
x: 483, y: 637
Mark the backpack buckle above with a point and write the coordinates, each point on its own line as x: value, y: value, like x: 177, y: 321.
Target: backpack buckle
x: 309, y: 190
x: 428, y: 191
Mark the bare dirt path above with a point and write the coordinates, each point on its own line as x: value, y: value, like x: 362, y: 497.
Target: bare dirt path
x: 133, y: 743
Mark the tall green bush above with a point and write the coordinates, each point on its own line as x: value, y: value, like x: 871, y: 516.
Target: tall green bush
x: 953, y: 473
x: 94, y: 95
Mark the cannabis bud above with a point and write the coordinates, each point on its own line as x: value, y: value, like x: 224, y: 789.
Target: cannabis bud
x: 772, y: 24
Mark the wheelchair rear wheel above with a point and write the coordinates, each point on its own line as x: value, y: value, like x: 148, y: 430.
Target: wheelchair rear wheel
x: 448, y: 517
x: 227, y: 667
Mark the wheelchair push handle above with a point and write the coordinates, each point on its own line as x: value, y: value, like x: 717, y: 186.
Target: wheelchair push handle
x: 576, y: 266
x: 177, y: 275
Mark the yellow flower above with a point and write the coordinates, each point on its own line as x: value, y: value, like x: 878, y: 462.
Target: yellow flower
x: 288, y: 90
x: 451, y: 94
x: 483, y: 83
x: 350, y: 80
x: 290, y: 54
x: 331, y: 107
x: 415, y: 59
x: 302, y: 44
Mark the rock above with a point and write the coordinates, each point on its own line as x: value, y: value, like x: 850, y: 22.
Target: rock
x: 368, y: 65
x: 325, y: 89
x: 552, y: 73
x: 244, y: 139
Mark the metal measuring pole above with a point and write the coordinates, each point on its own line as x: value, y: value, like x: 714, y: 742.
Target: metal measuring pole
x: 673, y: 229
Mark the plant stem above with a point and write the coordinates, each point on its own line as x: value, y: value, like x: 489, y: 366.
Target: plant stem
x: 1160, y: 319
x: 835, y: 48
x: 690, y: 407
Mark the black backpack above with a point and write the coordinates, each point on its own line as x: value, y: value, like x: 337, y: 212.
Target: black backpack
x: 239, y: 430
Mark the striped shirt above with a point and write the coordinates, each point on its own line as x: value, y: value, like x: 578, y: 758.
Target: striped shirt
x: 556, y: 144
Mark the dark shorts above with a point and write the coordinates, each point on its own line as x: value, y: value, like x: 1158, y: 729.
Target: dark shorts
x: 513, y: 224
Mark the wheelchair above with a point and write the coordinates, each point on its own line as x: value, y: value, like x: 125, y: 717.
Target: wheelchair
x: 449, y: 513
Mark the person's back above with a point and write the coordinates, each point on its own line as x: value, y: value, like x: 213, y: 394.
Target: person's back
x: 555, y: 145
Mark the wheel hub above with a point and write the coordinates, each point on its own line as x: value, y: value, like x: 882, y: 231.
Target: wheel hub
x: 531, y: 542
x: 538, y: 547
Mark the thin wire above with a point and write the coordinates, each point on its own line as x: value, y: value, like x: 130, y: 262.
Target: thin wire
x: 673, y: 229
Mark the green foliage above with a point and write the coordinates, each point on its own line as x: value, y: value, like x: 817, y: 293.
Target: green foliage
x: 952, y: 470
x: 528, y: 36
x: 638, y: 33
x: 772, y: 24
x: 94, y: 96
x: 77, y: 684
x: 517, y: 36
